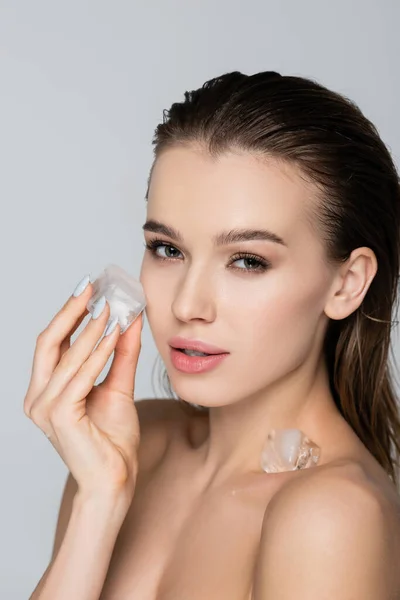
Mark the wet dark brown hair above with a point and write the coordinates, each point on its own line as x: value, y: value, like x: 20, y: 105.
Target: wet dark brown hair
x: 336, y: 147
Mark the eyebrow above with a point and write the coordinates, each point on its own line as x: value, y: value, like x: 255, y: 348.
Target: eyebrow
x: 222, y: 239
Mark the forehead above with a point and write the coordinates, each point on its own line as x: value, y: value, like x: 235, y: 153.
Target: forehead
x: 236, y: 189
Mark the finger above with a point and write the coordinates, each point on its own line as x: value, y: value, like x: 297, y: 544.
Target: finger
x: 72, y: 400
x: 39, y: 378
x: 121, y: 375
x: 66, y: 343
x: 62, y: 326
x: 72, y: 361
x: 53, y: 342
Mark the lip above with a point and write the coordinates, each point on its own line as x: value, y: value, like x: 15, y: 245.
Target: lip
x: 195, y: 364
x: 200, y: 346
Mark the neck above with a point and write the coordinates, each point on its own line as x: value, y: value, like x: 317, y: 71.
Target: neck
x: 236, y: 433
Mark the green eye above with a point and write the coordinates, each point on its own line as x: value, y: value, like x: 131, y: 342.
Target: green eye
x: 261, y: 264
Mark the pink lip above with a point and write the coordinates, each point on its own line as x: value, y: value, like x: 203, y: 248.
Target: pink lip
x: 185, y: 343
x: 195, y: 364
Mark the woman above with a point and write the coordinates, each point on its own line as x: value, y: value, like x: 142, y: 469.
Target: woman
x: 272, y: 237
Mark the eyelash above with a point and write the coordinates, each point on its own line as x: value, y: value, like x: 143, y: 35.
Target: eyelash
x: 263, y: 264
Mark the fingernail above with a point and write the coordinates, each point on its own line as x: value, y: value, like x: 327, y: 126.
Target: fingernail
x: 81, y: 287
x: 98, y: 307
x: 111, y: 326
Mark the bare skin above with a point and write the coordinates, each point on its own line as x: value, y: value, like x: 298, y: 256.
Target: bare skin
x: 202, y: 508
x: 182, y: 538
x: 195, y: 524
x: 271, y: 321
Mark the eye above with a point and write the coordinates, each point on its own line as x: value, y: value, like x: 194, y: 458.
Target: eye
x: 261, y: 264
x: 154, y: 244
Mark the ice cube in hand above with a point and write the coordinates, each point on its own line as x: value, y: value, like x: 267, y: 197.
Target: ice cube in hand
x: 124, y: 294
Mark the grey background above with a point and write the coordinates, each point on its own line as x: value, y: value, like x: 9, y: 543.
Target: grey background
x: 83, y: 85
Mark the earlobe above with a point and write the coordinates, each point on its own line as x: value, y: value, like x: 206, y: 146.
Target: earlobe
x: 354, y: 279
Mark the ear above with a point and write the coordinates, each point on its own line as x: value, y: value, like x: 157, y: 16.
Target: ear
x: 351, y: 283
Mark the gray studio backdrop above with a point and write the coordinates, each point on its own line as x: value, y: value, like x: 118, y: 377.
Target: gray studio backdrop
x: 83, y: 85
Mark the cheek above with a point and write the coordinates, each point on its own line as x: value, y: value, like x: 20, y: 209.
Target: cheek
x: 276, y: 321
x: 152, y: 284
x: 154, y: 280
x: 158, y: 289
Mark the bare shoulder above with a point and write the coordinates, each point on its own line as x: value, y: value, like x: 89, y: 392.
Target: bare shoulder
x: 333, y: 515
x: 342, y: 484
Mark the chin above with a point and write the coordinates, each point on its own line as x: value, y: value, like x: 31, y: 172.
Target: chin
x: 202, y: 397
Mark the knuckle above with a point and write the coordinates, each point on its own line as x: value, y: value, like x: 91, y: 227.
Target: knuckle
x: 38, y: 415
x: 27, y: 409
x: 67, y: 364
x: 34, y: 413
x: 44, y: 336
x: 87, y: 376
x: 27, y: 403
x: 123, y: 352
x: 64, y: 309
x: 57, y: 416
x: 41, y: 338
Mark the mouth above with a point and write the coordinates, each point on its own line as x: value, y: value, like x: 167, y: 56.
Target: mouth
x: 195, y: 347
x: 195, y: 362
x: 192, y: 352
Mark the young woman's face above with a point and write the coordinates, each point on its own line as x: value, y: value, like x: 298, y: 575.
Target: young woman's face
x: 266, y: 310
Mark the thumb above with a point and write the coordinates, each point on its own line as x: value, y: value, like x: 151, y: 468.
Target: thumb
x: 121, y: 376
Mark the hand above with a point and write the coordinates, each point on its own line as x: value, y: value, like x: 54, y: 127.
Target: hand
x: 95, y: 430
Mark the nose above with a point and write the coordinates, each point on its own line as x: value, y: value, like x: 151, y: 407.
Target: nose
x: 194, y: 298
